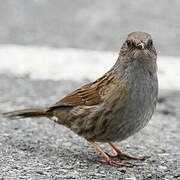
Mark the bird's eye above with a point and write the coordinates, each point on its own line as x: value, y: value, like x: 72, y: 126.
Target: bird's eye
x: 128, y: 43
x: 150, y: 43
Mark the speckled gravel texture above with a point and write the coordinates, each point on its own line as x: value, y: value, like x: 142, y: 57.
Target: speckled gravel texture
x: 40, y: 149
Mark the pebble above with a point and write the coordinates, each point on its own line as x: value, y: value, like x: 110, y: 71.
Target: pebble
x: 169, y: 177
x: 131, y: 178
x: 67, y: 144
x: 162, y: 167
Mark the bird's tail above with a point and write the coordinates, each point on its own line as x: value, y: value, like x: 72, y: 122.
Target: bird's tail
x: 26, y: 113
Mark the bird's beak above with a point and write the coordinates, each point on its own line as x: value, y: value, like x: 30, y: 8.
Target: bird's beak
x: 140, y: 45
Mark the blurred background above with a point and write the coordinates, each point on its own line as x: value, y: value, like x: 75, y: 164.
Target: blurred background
x: 89, y: 24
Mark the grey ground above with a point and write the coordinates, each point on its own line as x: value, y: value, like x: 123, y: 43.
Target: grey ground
x: 40, y: 149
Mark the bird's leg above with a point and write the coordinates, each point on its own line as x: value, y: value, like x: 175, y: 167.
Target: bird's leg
x: 108, y: 159
x: 121, y: 154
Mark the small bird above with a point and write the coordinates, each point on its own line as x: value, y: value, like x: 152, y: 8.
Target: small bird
x: 115, y: 106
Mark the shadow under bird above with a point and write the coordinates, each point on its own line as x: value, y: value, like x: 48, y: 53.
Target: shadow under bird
x: 115, y: 106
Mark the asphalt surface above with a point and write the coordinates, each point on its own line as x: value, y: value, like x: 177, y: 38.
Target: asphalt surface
x: 40, y: 149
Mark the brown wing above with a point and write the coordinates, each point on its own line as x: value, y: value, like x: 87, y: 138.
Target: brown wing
x: 89, y: 94
x: 86, y: 95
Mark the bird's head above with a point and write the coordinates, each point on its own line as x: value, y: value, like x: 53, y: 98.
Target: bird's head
x: 138, y: 46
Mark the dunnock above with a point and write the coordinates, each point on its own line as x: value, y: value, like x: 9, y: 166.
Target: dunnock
x: 115, y: 106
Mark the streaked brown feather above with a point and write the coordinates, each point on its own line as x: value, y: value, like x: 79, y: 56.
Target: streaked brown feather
x: 82, y: 96
x: 25, y: 113
x: 89, y: 94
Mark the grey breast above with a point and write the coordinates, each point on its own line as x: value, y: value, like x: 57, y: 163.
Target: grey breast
x: 139, y: 110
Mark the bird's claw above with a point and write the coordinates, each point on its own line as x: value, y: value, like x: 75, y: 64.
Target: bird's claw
x: 116, y: 164
x: 123, y: 155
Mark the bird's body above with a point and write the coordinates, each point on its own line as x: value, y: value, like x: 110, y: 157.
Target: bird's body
x: 116, y: 105
x: 121, y: 112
